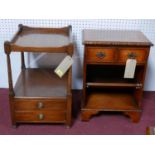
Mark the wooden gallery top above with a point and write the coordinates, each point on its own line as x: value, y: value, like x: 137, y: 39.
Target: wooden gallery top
x: 40, y: 82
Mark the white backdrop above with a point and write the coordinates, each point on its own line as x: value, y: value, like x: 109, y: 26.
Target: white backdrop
x: 9, y: 26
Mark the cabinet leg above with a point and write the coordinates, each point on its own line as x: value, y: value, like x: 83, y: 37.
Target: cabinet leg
x: 69, y: 112
x: 86, y: 115
x: 134, y: 116
x: 68, y: 126
x: 14, y: 126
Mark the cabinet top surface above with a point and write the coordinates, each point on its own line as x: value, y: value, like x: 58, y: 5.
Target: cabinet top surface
x: 41, y: 37
x: 115, y: 37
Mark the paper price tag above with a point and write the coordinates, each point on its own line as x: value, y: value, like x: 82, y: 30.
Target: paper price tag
x: 130, y: 68
x: 64, y: 66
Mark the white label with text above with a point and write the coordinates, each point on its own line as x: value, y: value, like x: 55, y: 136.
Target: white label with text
x: 64, y: 66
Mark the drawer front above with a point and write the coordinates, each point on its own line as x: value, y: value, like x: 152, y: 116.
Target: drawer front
x: 139, y: 54
x: 99, y: 55
x: 26, y: 105
x: 40, y: 116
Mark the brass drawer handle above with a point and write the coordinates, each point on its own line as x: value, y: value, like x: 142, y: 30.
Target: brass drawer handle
x: 132, y: 55
x: 40, y: 105
x: 100, y: 55
x: 41, y: 116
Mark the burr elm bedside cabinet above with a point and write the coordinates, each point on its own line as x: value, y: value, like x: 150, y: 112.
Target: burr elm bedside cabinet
x: 39, y: 95
x: 104, y: 85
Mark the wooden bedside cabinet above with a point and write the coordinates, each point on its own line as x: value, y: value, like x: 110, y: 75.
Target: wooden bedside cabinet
x: 104, y: 85
x: 39, y: 95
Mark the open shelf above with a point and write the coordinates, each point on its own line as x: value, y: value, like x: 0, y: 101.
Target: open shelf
x: 110, y: 76
x: 111, y: 100
x: 36, y: 83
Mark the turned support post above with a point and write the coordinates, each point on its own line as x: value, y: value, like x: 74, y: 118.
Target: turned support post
x: 69, y: 98
x: 22, y: 60
x: 8, y: 51
x: 69, y: 90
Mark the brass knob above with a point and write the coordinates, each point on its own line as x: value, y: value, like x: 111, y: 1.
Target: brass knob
x: 40, y: 105
x: 100, y: 55
x: 132, y: 55
x: 41, y: 116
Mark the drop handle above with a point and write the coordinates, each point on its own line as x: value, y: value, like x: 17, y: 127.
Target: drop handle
x: 132, y: 55
x: 40, y: 105
x: 41, y: 116
x: 100, y: 55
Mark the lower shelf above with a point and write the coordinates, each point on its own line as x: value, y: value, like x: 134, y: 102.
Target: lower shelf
x: 40, y: 83
x: 111, y: 101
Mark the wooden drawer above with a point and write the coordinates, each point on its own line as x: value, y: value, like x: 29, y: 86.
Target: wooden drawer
x: 99, y: 55
x: 134, y: 53
x: 26, y: 105
x: 40, y: 116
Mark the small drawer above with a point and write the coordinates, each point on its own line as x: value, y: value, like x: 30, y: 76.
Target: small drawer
x: 99, y: 55
x: 40, y: 116
x: 139, y: 54
x: 26, y: 105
